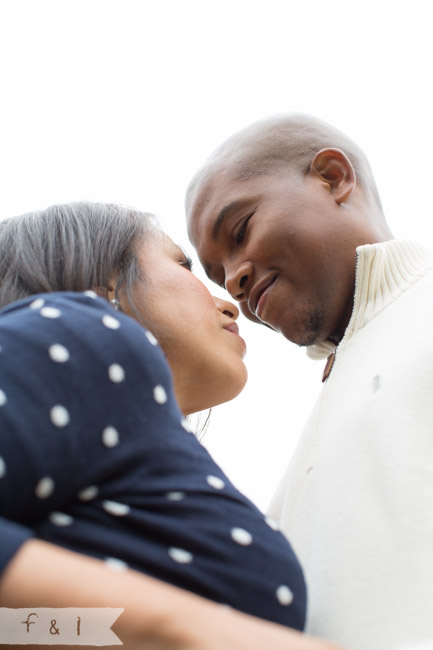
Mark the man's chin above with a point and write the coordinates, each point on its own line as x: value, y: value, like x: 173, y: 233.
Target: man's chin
x: 309, y: 334
x: 303, y: 338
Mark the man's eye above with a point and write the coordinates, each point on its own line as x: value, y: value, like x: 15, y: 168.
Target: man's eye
x: 240, y: 235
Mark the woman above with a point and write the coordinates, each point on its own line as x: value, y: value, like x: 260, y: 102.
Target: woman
x: 95, y: 456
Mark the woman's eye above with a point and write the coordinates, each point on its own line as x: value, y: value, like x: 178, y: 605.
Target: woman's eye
x: 187, y: 263
x: 240, y: 235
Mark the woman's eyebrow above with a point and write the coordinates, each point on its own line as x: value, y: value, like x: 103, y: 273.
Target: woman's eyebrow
x: 177, y: 249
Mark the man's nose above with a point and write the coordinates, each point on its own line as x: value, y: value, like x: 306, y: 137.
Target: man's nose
x: 238, y: 281
x: 227, y: 308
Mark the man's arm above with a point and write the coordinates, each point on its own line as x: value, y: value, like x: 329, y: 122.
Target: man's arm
x: 157, y: 616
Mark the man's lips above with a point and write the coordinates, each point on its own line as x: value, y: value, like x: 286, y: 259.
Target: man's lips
x: 257, y: 291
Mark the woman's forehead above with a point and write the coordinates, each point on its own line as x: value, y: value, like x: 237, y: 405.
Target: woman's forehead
x: 163, y: 242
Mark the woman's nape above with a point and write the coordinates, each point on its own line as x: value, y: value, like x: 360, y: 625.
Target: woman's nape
x: 121, y: 253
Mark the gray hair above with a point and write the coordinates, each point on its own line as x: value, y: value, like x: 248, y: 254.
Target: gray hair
x: 71, y: 247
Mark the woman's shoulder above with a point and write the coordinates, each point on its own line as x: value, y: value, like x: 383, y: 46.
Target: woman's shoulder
x: 83, y: 319
x: 83, y: 307
x: 81, y: 341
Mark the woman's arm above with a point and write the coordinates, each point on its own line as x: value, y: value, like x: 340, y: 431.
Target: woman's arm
x: 157, y: 616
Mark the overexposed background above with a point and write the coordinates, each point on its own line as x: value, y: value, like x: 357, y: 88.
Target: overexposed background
x: 122, y: 100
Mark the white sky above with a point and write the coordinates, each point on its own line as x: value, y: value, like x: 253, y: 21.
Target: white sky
x: 122, y: 100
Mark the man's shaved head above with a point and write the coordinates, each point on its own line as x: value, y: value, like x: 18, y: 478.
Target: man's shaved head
x: 284, y: 143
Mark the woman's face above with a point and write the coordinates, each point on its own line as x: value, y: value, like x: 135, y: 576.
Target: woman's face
x: 196, y: 331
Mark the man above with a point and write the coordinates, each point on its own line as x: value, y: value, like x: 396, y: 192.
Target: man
x: 286, y: 216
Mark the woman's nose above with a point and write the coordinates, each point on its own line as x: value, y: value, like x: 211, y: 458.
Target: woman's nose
x: 227, y: 308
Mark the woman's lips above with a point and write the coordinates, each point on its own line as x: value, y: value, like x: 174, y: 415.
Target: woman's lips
x: 234, y: 329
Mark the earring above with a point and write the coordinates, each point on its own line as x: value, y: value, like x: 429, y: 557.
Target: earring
x: 115, y: 303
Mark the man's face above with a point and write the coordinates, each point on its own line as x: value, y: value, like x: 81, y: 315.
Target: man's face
x: 281, y: 245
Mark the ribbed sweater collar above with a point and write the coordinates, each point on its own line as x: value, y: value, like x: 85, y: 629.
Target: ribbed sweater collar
x: 383, y: 272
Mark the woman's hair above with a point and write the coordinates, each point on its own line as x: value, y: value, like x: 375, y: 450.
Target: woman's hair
x: 71, y: 247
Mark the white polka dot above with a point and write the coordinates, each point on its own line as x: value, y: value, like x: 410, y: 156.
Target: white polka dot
x: 241, y: 536
x: 116, y: 373
x: 116, y: 564
x: 88, y: 493
x: 90, y: 293
x: 271, y: 523
x: 180, y: 556
x: 216, y: 482
x: 58, y: 353
x: 186, y: 425
x: 284, y: 595
x: 159, y: 395
x: 115, y: 508
x: 175, y: 496
x: 2, y: 467
x: 110, y: 437
x: 151, y: 338
x: 50, y: 312
x: 110, y: 322
x: 60, y: 519
x: 44, y: 488
x: 3, y: 398
x: 59, y: 416
x: 37, y: 304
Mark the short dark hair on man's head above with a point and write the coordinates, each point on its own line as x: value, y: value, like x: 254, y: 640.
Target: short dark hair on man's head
x: 70, y: 247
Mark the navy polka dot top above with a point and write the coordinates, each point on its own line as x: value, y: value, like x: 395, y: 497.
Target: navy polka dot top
x: 95, y: 456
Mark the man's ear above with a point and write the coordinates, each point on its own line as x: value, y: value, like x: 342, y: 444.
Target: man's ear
x: 335, y: 169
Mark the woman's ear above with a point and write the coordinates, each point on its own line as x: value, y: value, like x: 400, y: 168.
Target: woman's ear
x: 105, y: 292
x: 335, y: 169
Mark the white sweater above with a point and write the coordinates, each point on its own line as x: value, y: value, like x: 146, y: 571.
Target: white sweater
x: 357, y: 499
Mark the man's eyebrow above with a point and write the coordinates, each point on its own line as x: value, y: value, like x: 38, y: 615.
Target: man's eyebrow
x: 226, y: 211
